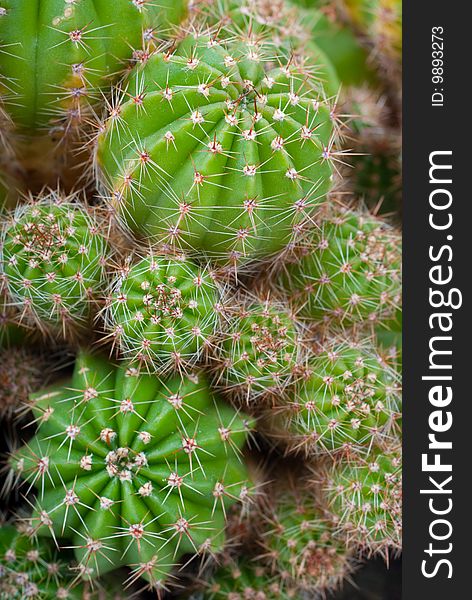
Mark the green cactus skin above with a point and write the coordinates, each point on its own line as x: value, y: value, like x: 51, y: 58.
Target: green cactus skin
x: 246, y: 579
x: 300, y: 544
x: 215, y: 148
x: 163, y: 311
x: 22, y: 372
x: 260, y: 349
x: 348, y: 272
x: 53, y: 254
x: 348, y: 399
x: 58, y: 56
x: 12, y: 333
x: 135, y: 470
x: 365, y: 498
x: 30, y: 568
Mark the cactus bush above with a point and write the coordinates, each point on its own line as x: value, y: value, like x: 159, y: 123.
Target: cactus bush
x: 136, y: 470
x: 53, y: 253
x: 365, y: 499
x: 216, y: 147
x: 163, y: 311
x: 58, y: 57
x: 348, y: 271
x: 260, y: 349
x: 347, y: 399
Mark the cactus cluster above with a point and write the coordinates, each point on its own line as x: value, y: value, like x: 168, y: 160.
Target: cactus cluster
x: 200, y: 297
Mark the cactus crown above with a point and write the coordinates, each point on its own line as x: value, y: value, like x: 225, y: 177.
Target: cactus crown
x: 163, y: 310
x: 244, y: 135
x: 53, y: 253
x: 137, y: 471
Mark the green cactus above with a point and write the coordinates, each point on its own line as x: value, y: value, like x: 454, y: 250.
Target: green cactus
x: 246, y: 579
x: 53, y: 253
x: 215, y: 147
x: 347, y: 400
x: 365, y: 499
x: 347, y: 272
x: 260, y: 349
x: 57, y: 58
x: 137, y: 471
x: 300, y: 544
x: 163, y: 311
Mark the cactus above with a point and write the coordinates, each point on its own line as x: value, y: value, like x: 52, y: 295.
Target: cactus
x: 53, y: 253
x: 21, y: 373
x: 300, y: 544
x: 163, y: 310
x: 214, y: 148
x: 246, y: 579
x: 259, y: 349
x: 347, y: 400
x: 347, y: 272
x: 57, y: 59
x: 137, y: 471
x: 365, y: 499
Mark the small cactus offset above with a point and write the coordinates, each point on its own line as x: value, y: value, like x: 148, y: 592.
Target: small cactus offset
x: 59, y: 56
x: 217, y: 147
x: 347, y: 272
x: 163, y: 311
x: 300, y: 545
x: 365, y: 500
x: 346, y: 400
x: 137, y: 471
x: 53, y: 253
x: 260, y: 349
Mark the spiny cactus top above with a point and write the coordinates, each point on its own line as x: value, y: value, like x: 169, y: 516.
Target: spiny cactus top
x: 347, y: 399
x: 365, y: 499
x: 218, y: 147
x: 163, y: 311
x: 260, y: 349
x: 347, y: 272
x: 29, y: 568
x: 137, y: 471
x: 247, y: 579
x: 59, y: 53
x: 300, y: 544
x: 53, y: 253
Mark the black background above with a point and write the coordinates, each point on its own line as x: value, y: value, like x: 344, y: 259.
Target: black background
x: 427, y: 129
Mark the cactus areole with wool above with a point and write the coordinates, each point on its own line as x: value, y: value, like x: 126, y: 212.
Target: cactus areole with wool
x: 218, y: 147
x: 135, y: 470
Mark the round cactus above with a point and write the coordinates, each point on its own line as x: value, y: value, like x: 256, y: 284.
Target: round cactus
x: 347, y: 272
x: 347, y: 399
x: 300, y: 544
x: 365, y: 499
x: 246, y: 579
x: 163, y: 310
x: 217, y: 147
x: 59, y: 56
x: 260, y: 349
x: 137, y: 471
x: 53, y: 253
